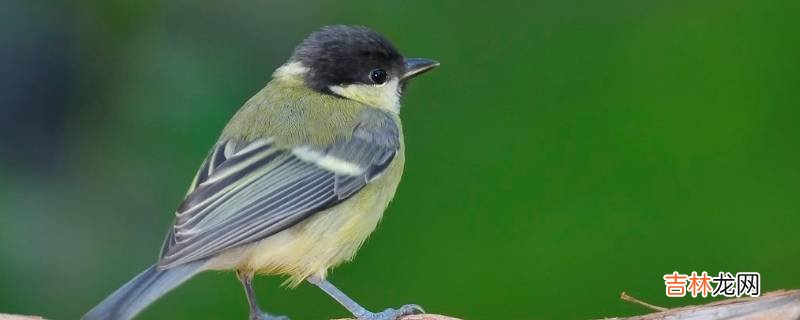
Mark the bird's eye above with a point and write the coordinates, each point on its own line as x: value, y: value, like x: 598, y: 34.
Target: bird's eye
x: 378, y: 76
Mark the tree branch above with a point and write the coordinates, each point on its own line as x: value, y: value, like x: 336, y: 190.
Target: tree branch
x: 426, y: 316
x: 775, y: 305
x: 411, y: 317
x: 18, y: 317
x: 625, y: 297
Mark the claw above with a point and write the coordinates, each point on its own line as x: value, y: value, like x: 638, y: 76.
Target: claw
x: 411, y: 309
x: 267, y: 316
x: 394, y: 314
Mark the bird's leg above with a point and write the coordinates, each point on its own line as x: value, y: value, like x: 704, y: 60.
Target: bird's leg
x: 359, y: 311
x: 255, y: 311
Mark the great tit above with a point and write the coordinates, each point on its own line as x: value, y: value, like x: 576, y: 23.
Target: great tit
x: 298, y: 179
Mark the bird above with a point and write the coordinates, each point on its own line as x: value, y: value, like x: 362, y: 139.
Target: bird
x: 298, y: 179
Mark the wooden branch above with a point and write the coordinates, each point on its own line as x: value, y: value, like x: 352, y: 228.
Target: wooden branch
x: 625, y: 297
x: 427, y: 316
x: 18, y: 317
x: 411, y: 317
x: 776, y: 305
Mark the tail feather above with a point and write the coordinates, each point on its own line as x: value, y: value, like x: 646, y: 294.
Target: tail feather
x: 141, y: 291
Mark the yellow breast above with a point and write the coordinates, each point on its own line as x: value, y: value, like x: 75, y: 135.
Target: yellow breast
x: 323, y: 240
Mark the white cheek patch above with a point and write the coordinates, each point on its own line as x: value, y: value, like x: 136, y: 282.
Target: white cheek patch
x: 384, y: 96
x: 336, y: 165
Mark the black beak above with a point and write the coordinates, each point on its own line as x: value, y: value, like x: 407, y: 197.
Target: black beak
x: 417, y: 66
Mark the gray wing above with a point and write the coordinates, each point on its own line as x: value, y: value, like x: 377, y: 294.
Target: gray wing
x: 245, y: 192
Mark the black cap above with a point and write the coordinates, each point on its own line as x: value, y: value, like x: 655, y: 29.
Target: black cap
x: 339, y: 55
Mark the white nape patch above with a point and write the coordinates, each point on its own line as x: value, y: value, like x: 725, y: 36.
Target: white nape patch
x: 290, y: 69
x: 338, y: 166
x: 383, y: 96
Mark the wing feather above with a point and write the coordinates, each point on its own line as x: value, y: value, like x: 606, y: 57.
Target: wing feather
x: 245, y: 192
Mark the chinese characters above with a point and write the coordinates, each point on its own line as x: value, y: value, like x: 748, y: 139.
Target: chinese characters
x: 724, y: 284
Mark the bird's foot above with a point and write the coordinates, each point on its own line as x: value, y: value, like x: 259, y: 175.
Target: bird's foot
x: 266, y: 316
x: 392, y: 314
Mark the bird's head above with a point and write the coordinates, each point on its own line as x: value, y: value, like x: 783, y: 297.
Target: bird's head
x: 356, y: 63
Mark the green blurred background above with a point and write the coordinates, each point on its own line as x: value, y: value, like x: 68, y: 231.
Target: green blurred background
x: 564, y: 152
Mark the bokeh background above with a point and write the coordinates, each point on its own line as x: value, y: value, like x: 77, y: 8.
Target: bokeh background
x: 564, y: 152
